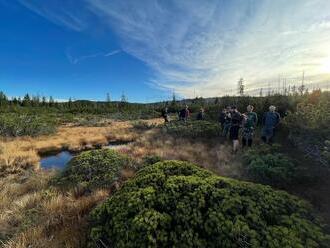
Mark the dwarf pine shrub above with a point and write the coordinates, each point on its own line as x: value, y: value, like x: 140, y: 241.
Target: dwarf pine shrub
x: 178, y: 204
x: 193, y: 129
x: 265, y: 164
x: 14, y: 125
x: 96, y: 168
x: 151, y: 159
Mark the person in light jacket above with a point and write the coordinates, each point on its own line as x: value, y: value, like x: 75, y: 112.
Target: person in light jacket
x: 270, y: 121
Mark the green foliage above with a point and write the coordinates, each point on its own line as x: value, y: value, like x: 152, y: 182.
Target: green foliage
x: 96, y: 168
x: 177, y: 204
x: 193, y: 129
x: 267, y: 165
x: 308, y: 127
x: 152, y: 159
x: 14, y: 125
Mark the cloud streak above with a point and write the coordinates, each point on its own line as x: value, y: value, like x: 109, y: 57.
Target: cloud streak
x: 205, y: 47
x: 75, y: 60
x: 65, y: 15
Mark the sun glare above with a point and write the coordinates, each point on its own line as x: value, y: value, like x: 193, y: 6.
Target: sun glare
x: 326, y: 65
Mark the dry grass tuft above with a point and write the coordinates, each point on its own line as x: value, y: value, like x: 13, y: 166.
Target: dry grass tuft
x: 36, y: 215
x: 16, y: 156
x: 213, y: 154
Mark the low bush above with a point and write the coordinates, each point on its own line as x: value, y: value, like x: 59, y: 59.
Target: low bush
x: 193, y: 129
x: 308, y: 128
x: 96, y: 168
x: 13, y: 125
x: 265, y: 164
x: 178, y: 204
x: 151, y: 159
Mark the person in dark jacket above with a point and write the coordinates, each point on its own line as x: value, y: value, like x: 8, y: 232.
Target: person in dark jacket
x: 249, y: 123
x: 227, y: 121
x: 222, y: 118
x: 270, y: 120
x: 236, y: 120
x: 201, y: 115
x: 165, y: 115
x: 184, y: 114
x: 181, y: 114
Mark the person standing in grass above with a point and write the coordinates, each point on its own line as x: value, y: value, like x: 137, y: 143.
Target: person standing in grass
x: 249, y: 124
x: 227, y: 121
x: 236, y: 120
x: 165, y: 115
x: 270, y: 121
x: 201, y: 115
x: 181, y: 114
x: 186, y: 113
x: 222, y: 118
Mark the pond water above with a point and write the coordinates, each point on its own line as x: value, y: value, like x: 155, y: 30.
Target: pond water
x: 61, y: 159
x: 115, y: 147
x: 58, y: 161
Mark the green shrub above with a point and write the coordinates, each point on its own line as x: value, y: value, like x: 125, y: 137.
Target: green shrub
x: 96, y: 168
x: 177, y: 204
x: 152, y: 159
x: 308, y: 127
x: 267, y: 165
x: 14, y: 125
x: 193, y: 129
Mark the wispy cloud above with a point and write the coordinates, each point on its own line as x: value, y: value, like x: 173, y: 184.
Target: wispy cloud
x: 59, y: 13
x: 76, y: 60
x: 112, y: 53
x: 206, y: 46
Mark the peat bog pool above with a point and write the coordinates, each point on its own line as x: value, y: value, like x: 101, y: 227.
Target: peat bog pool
x: 57, y: 161
x: 60, y: 160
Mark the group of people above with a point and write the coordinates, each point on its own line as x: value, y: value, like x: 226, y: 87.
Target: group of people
x: 183, y: 114
x: 232, y: 121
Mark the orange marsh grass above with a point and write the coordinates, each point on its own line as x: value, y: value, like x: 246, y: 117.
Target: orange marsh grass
x: 32, y: 214
x: 17, y: 154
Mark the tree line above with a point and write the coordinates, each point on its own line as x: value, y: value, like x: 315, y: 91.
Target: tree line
x: 213, y: 106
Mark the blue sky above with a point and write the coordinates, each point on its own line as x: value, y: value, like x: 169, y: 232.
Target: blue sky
x: 148, y: 49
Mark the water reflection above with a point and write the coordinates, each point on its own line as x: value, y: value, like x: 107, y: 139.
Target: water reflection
x: 58, y: 161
